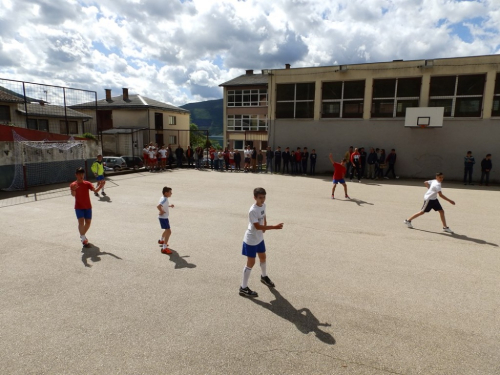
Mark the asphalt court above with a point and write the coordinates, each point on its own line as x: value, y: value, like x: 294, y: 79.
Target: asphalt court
x: 356, y: 291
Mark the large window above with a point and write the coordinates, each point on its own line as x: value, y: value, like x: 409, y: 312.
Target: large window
x: 72, y: 127
x: 238, y: 145
x: 495, y: 111
x: 4, y: 113
x: 391, y: 97
x: 461, y: 96
x: 172, y: 139
x: 295, y: 100
x: 246, y: 122
x: 38, y: 124
x: 247, y: 98
x: 172, y: 120
x: 342, y: 99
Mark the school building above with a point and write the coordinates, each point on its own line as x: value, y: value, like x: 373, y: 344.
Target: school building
x: 364, y: 105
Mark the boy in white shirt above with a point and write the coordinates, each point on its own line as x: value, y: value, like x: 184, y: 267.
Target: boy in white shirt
x: 431, y: 202
x: 163, y: 158
x: 163, y: 217
x: 253, y: 242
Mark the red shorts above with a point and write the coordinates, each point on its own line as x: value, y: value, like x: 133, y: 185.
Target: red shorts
x: 145, y: 157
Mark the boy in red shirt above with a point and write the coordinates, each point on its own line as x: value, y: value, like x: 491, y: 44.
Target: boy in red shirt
x: 338, y: 175
x: 83, y: 208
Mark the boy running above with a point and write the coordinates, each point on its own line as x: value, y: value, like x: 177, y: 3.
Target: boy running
x: 431, y: 202
x: 98, y: 169
x: 163, y: 217
x: 339, y: 170
x: 253, y: 242
x: 83, y: 208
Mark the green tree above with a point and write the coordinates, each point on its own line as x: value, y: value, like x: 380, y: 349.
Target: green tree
x: 199, y: 138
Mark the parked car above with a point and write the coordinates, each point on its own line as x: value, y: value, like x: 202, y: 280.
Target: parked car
x: 133, y: 162
x: 116, y: 163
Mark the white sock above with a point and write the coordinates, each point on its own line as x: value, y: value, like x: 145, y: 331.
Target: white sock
x: 263, y: 268
x: 246, y: 276
x: 82, y: 237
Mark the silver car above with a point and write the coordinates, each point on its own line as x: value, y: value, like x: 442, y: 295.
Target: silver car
x: 116, y: 163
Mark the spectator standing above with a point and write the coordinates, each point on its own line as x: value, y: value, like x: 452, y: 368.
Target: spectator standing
x: 469, y: 162
x: 189, y: 156
x: 163, y: 157
x: 313, y: 161
x: 362, y: 152
x: 381, y: 164
x: 254, y: 159
x: 286, y: 159
x: 269, y: 160
x: 231, y: 159
x: 170, y: 156
x: 277, y: 160
x: 347, y: 157
x: 220, y: 156
x: 226, y: 158
x: 298, y: 161
x: 237, y: 160
x: 260, y: 159
x: 211, y: 153
x: 179, y: 154
x: 486, y: 166
x: 145, y: 156
x: 305, y: 160
x: 355, y: 164
x: 293, y: 163
x: 391, y: 160
x: 248, y: 156
x: 371, y: 160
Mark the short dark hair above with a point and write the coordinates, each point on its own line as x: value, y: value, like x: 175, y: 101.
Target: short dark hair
x: 439, y: 174
x: 488, y: 155
x: 343, y: 160
x: 79, y: 170
x: 259, y: 191
x: 166, y: 189
x: 469, y: 152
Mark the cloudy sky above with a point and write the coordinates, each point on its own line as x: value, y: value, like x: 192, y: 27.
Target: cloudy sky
x: 179, y: 51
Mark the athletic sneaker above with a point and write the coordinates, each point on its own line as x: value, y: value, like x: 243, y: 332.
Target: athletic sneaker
x: 96, y: 193
x: 247, y: 292
x: 166, y: 251
x: 103, y: 194
x: 447, y: 230
x: 408, y: 224
x: 161, y: 242
x: 267, y: 281
x: 85, y: 242
x: 333, y: 197
x: 347, y: 197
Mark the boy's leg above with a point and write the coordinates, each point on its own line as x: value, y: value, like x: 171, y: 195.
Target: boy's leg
x: 443, y: 219
x: 333, y: 189
x: 166, y: 235
x: 246, y: 272
x: 487, y: 178
x: 86, y: 226
x: 420, y: 213
x: 345, y: 189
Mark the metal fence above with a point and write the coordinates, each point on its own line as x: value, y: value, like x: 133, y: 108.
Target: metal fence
x: 47, y: 107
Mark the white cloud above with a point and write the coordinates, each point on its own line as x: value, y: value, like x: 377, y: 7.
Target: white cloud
x: 180, y: 52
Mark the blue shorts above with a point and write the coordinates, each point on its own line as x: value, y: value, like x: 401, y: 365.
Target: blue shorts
x: 341, y: 181
x: 100, y: 178
x: 164, y: 223
x: 83, y: 213
x: 251, y: 251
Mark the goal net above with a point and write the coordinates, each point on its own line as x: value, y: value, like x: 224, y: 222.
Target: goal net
x: 45, y: 162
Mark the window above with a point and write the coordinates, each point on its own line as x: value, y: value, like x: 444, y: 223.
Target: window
x: 71, y: 129
x: 38, y: 124
x: 238, y: 145
x: 342, y: 99
x: 247, y: 98
x: 159, y: 121
x: 172, y: 139
x: 496, y: 98
x: 4, y: 113
x: 295, y: 100
x: 246, y: 122
x: 172, y: 120
x: 391, y: 97
x: 461, y: 96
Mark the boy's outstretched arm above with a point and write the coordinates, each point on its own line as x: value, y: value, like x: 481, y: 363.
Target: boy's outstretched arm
x: 331, y: 158
x: 441, y: 195
x: 267, y: 227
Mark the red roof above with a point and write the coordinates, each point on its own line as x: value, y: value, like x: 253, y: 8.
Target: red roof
x: 32, y: 135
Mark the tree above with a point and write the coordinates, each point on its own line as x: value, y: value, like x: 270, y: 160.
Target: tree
x: 199, y: 138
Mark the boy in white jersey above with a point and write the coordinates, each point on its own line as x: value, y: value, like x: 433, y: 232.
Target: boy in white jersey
x: 431, y: 202
x: 163, y: 217
x: 253, y: 242
x: 163, y: 158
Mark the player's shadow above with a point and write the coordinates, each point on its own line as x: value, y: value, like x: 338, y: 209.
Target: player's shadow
x: 179, y: 261
x: 303, y: 319
x: 93, y: 253
x: 105, y: 199
x: 462, y: 237
x: 359, y: 202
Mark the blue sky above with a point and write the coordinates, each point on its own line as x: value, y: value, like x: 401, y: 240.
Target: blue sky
x: 180, y: 51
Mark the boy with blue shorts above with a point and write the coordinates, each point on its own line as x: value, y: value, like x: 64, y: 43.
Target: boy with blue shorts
x: 163, y: 217
x: 83, y: 208
x: 339, y: 171
x: 98, y: 169
x: 253, y: 242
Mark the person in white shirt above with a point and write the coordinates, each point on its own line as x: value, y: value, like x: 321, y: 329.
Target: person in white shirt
x: 152, y: 158
x: 431, y: 202
x: 253, y: 242
x: 163, y: 155
x: 247, y: 154
x: 163, y: 207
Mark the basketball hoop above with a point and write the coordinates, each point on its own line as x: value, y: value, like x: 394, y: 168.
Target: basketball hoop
x: 423, y: 122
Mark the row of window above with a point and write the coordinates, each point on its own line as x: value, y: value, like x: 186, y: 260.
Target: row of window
x: 247, y: 98
x: 461, y: 96
x: 246, y: 122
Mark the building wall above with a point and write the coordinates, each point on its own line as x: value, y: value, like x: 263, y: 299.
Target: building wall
x: 180, y: 130
x: 125, y: 118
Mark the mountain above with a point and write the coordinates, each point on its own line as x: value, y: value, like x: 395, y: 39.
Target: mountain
x: 207, y: 115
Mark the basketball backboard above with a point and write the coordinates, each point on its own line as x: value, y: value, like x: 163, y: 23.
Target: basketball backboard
x: 424, y: 117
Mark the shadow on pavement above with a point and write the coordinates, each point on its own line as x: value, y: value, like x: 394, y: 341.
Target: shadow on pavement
x: 92, y: 252
x: 179, y: 261
x: 462, y: 237
x: 357, y: 201
x: 303, y: 319
x: 105, y: 199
